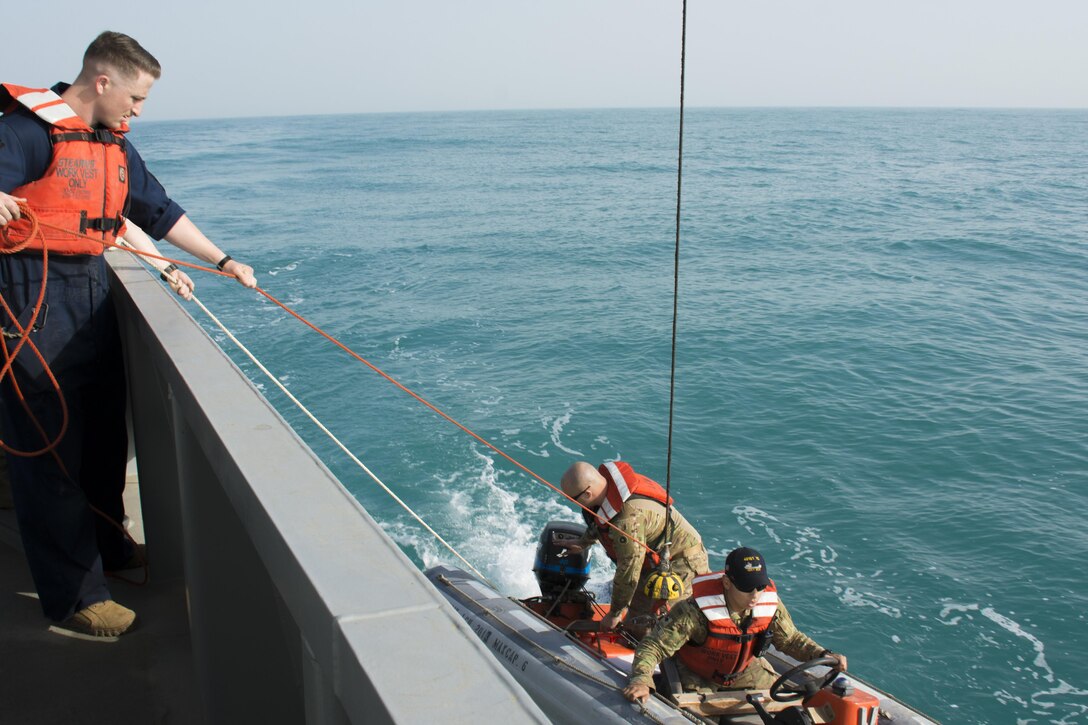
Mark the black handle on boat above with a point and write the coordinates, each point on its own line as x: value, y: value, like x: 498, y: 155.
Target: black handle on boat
x: 755, y: 699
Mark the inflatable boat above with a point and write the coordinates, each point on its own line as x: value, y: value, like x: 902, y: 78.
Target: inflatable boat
x: 553, y: 646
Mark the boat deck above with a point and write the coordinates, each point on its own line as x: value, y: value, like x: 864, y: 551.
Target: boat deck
x: 146, y: 676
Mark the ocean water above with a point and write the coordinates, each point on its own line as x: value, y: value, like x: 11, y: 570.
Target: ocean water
x: 882, y: 375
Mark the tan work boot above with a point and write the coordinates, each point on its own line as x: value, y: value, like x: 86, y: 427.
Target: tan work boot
x: 102, y: 619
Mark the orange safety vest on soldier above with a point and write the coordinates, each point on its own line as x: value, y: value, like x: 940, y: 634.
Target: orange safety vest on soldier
x: 728, y: 649
x: 622, y: 484
x: 85, y: 188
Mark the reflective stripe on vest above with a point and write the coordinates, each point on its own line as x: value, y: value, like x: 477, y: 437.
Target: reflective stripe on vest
x: 619, y: 489
x: 621, y: 483
x: 728, y: 649
x: 45, y: 104
x: 715, y: 608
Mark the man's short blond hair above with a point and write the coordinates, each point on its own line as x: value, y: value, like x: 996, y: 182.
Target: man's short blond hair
x: 122, y: 53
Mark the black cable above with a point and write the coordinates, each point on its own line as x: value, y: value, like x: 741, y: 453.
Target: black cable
x: 676, y: 275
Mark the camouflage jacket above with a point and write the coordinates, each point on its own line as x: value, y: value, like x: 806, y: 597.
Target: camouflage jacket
x: 643, y: 520
x: 686, y: 623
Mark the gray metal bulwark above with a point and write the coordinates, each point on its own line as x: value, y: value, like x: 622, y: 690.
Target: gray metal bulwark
x: 301, y: 609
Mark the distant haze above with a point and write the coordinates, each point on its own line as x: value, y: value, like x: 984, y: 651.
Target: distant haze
x: 223, y: 59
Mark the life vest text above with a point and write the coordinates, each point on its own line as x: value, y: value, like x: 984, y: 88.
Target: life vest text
x: 77, y: 171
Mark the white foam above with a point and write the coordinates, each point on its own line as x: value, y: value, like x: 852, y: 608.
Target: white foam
x: 1041, y: 702
x: 1010, y: 626
x: 495, y: 527
x: 288, y: 268
x: 809, y: 549
x: 853, y: 598
x: 948, y: 608
x: 556, y: 431
x: 757, y: 522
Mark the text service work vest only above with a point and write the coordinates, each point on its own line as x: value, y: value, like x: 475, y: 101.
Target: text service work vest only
x: 85, y: 188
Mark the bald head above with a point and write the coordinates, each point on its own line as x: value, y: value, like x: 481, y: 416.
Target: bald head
x: 584, y: 484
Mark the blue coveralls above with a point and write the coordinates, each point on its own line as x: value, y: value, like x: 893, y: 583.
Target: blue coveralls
x: 67, y: 545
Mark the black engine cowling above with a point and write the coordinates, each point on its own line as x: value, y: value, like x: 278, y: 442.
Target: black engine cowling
x: 556, y: 571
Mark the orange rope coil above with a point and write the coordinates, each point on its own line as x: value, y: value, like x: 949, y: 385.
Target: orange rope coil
x: 9, y: 246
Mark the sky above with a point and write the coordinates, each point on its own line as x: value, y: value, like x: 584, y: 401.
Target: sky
x: 229, y: 59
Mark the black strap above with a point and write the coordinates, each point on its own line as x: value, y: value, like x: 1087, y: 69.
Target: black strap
x: 724, y: 679
x: 763, y: 644
x: 98, y: 224
x: 99, y: 135
x: 742, y: 638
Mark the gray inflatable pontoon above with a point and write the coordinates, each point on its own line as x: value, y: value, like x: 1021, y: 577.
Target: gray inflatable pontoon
x: 567, y: 682
x: 554, y: 648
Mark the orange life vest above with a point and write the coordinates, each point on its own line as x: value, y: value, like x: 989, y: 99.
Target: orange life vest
x: 85, y: 188
x: 728, y: 649
x: 623, y: 483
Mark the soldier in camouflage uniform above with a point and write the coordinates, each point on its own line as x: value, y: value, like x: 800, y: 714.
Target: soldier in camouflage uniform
x: 634, y: 505
x: 747, y: 594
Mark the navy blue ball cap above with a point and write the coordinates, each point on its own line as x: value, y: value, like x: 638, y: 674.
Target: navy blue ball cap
x: 746, y: 569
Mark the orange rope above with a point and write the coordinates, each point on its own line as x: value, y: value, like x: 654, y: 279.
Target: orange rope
x: 363, y: 360
x: 10, y: 247
x: 441, y: 412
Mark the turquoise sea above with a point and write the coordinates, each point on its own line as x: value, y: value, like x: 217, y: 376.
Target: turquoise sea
x: 882, y: 352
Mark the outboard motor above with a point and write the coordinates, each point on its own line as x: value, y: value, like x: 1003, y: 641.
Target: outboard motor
x: 558, y: 573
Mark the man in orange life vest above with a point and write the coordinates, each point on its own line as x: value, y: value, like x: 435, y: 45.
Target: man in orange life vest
x: 63, y: 152
x: 719, y: 633
x: 634, y: 506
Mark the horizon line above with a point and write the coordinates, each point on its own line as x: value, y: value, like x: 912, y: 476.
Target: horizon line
x: 620, y: 108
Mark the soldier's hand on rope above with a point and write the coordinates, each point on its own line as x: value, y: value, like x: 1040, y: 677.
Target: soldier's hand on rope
x: 242, y: 272
x: 182, y: 284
